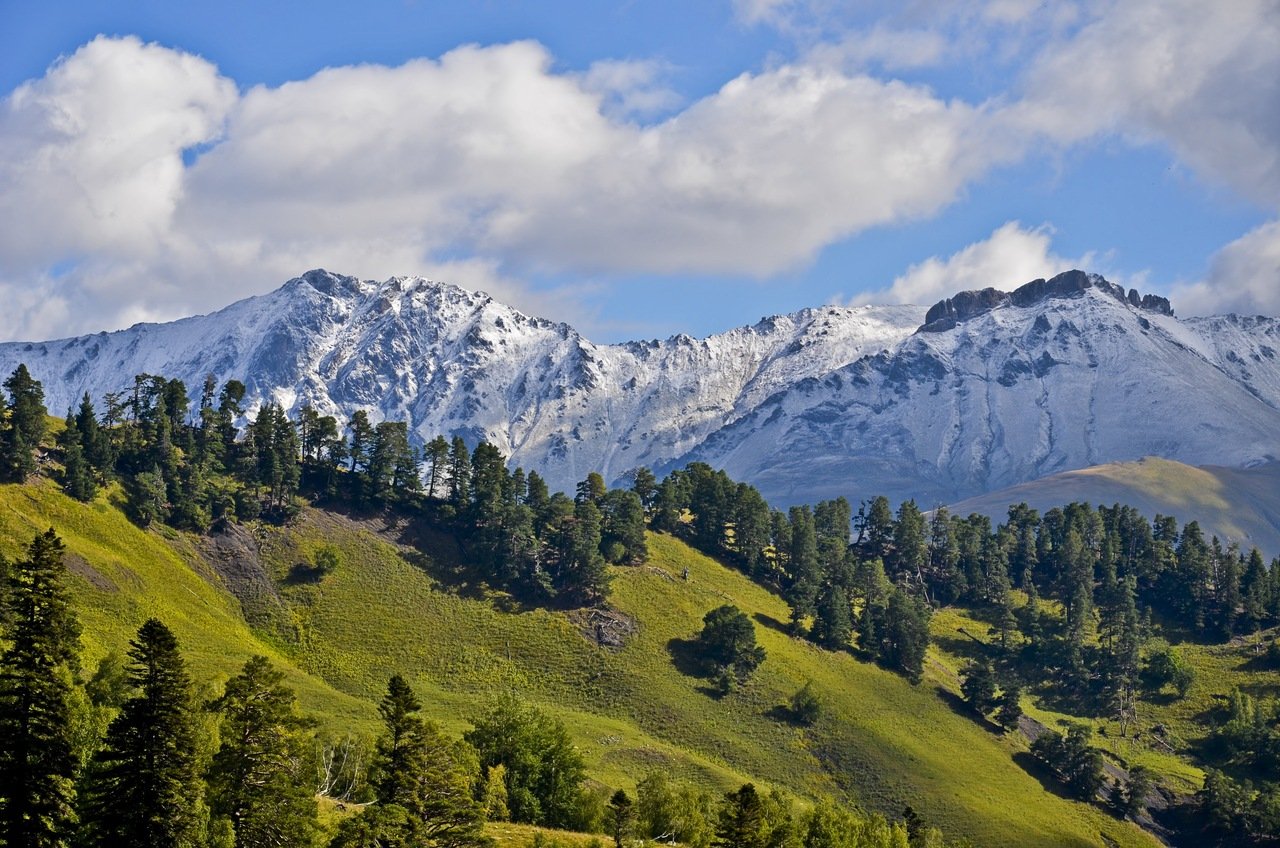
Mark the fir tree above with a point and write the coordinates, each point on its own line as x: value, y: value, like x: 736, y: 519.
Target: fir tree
x: 422, y: 783
x: 23, y: 425
x: 1009, y: 709
x: 258, y: 780
x: 144, y: 787
x: 741, y: 822
x: 37, y: 761
x: 621, y: 817
x: 979, y: 687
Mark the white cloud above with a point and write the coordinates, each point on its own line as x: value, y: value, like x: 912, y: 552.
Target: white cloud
x: 485, y: 156
x: 1244, y: 277
x: 1203, y: 78
x: 1011, y: 256
x: 91, y: 154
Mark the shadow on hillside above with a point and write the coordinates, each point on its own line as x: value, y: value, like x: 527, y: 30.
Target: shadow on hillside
x: 961, y: 708
x: 688, y: 661
x: 963, y: 646
x: 686, y: 657
x: 1041, y: 772
x: 772, y: 623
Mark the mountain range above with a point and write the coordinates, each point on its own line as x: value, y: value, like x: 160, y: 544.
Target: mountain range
x: 982, y: 391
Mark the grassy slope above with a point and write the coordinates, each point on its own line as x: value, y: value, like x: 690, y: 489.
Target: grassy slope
x: 121, y: 576
x: 629, y: 711
x: 1236, y: 504
x: 634, y: 710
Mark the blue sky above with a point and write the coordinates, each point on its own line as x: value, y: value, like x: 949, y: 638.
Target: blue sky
x: 635, y: 168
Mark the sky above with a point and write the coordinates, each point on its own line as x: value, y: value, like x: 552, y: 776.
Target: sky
x: 636, y: 168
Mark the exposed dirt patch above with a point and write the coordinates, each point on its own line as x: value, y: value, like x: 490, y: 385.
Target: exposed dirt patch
x: 77, y: 564
x: 233, y: 554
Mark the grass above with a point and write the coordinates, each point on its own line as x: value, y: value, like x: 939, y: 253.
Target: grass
x: 880, y: 742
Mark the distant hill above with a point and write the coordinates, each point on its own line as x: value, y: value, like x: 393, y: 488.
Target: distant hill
x: 1235, y: 504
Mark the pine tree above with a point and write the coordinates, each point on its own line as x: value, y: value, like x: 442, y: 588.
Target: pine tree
x: 1009, y: 710
x: 979, y: 687
x: 23, y: 422
x: 740, y: 823
x: 37, y: 761
x: 258, y: 778
x: 621, y: 817
x: 144, y: 787
x: 423, y: 784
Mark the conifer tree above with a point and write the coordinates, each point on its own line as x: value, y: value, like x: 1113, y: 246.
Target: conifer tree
x: 258, y: 779
x: 22, y: 424
x: 37, y: 761
x: 741, y: 820
x: 621, y: 817
x: 979, y: 686
x: 1009, y: 710
x: 144, y: 787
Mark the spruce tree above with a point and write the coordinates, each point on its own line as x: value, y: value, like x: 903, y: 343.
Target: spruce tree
x: 144, y: 786
x: 37, y: 760
x: 258, y: 779
x: 24, y: 425
x: 422, y: 781
x: 740, y: 823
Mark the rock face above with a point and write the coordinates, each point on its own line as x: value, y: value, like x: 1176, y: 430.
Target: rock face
x: 983, y: 390
x: 945, y: 314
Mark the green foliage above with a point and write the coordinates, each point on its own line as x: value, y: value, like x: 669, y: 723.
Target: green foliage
x: 740, y: 822
x: 37, y: 759
x: 1079, y: 765
x: 544, y: 770
x: 620, y: 817
x: 806, y: 706
x: 1165, y: 666
x: 144, y: 786
x: 423, y: 782
x: 979, y: 687
x: 727, y: 643
x: 257, y: 781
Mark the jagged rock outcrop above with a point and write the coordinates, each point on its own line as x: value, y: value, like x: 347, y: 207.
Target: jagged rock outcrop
x: 945, y: 314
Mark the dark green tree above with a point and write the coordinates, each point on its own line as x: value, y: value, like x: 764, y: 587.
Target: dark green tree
x: 727, y: 643
x: 741, y: 820
x: 144, y: 787
x: 22, y: 424
x: 620, y: 817
x: 979, y: 686
x: 1009, y: 709
x: 258, y: 780
x: 37, y: 762
x: 544, y: 771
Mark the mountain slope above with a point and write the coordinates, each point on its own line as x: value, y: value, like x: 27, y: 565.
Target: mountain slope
x: 983, y: 391
x: 391, y: 608
x: 1010, y: 394
x: 457, y: 362
x: 1235, y: 504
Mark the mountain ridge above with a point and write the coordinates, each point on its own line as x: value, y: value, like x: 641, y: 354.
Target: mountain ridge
x: 823, y: 401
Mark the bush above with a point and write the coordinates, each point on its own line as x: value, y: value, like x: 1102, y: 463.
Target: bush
x: 806, y: 707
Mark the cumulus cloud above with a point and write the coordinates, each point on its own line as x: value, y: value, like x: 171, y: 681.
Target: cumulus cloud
x: 1011, y: 256
x: 137, y: 182
x: 91, y: 154
x: 486, y: 154
x: 1244, y: 277
x: 1203, y: 78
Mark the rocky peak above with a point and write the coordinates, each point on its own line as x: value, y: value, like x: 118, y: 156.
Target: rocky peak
x: 950, y: 311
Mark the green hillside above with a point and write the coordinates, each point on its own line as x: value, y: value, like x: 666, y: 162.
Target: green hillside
x: 389, y: 608
x: 1236, y: 504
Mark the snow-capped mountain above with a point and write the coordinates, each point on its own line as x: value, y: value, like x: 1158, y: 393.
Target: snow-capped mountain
x: 983, y: 390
